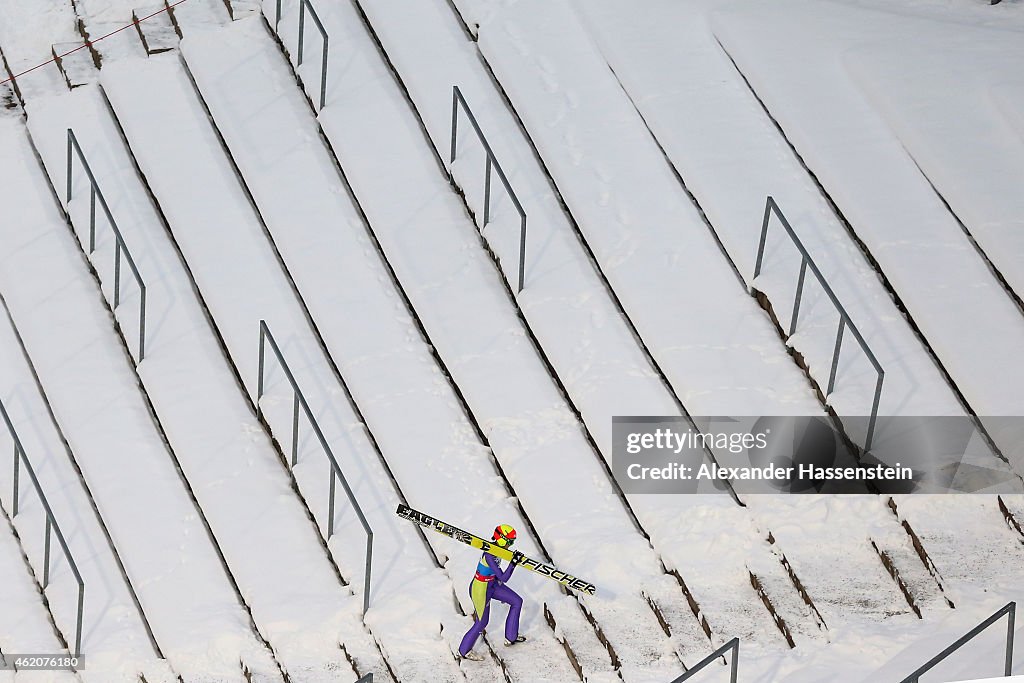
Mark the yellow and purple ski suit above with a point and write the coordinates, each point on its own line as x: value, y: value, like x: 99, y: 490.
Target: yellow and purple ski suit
x: 489, y: 583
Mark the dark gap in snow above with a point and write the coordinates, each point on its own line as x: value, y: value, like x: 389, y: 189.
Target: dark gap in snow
x: 776, y: 617
x: 894, y: 572
x: 550, y: 619
x: 694, y: 606
x: 1011, y: 519
x: 996, y: 273
x: 616, y: 663
x: 798, y: 584
x: 921, y: 551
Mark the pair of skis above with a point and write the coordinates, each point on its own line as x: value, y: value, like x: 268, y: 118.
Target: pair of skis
x: 568, y: 580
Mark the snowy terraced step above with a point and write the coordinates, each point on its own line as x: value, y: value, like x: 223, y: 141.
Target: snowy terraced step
x: 281, y: 567
x: 239, y: 278
x: 967, y: 317
x: 114, y: 635
x: 156, y: 28
x: 182, y: 585
x: 75, y: 63
x: 411, y: 409
x: 682, y: 83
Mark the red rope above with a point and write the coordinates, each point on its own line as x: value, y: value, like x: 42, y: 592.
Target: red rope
x: 89, y: 43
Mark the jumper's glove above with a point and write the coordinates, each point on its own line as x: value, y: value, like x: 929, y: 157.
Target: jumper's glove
x: 517, y: 557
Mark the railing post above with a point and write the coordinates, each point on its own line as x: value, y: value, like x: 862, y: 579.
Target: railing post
x: 295, y: 428
x: 323, y: 75
x: 46, y: 555
x: 769, y: 203
x: 487, y: 190
x: 17, y: 458
x: 455, y: 120
x: 835, y: 354
x: 92, y: 217
x: 799, y: 295
x: 81, y: 611
x: 70, y: 135
x: 1011, y: 618
x: 330, y: 508
x: 142, y: 322
x: 302, y: 29
x: 277, y: 15
x: 117, y: 272
x: 874, y: 411
x: 522, y: 251
x: 366, y: 576
x: 259, y: 385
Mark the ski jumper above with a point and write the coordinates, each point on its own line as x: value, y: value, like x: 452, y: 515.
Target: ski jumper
x: 489, y: 583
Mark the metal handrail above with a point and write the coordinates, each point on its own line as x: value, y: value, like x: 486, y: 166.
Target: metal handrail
x: 845, y: 321
x: 96, y: 194
x: 458, y: 99
x: 303, y: 6
x: 299, y: 400
x: 1009, y: 609
x: 733, y: 645
x: 51, y: 523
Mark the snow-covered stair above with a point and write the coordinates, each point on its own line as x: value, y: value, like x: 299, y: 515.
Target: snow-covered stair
x: 113, y: 631
x: 388, y: 366
x: 282, y: 569
x: 184, y: 590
